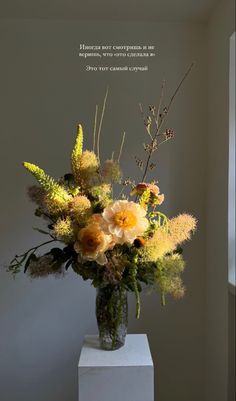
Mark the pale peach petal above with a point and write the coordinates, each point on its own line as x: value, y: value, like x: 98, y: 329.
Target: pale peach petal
x: 101, y: 259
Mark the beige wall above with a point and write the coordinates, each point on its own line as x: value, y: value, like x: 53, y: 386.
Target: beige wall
x: 221, y: 26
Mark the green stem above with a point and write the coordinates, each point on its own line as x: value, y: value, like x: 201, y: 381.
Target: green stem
x: 34, y: 248
x: 138, y: 305
x: 163, y: 299
x: 136, y: 291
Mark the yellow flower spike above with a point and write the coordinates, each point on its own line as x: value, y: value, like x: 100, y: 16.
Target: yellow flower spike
x: 77, y: 152
x: 53, y: 189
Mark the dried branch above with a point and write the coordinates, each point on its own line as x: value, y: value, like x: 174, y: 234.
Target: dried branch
x: 162, y: 119
x: 95, y: 127
x: 121, y: 147
x: 146, y: 124
x: 160, y: 103
x: 100, y: 123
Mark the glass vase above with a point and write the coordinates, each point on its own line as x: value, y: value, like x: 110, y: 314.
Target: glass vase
x: 112, y: 316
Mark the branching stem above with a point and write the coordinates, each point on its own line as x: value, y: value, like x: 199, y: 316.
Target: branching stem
x: 162, y: 119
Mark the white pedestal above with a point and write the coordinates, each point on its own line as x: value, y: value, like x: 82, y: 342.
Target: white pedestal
x: 122, y: 375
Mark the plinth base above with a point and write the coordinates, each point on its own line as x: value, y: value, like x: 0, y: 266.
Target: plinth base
x: 125, y: 374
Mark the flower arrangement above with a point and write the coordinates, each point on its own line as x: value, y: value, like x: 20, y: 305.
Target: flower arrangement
x: 119, y: 243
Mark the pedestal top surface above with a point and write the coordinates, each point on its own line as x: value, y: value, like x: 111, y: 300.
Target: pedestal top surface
x: 135, y: 352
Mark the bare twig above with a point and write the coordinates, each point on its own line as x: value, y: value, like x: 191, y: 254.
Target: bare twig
x: 145, y: 123
x: 121, y: 147
x: 152, y: 147
x: 160, y: 103
x: 95, y: 127
x: 174, y: 95
x: 100, y: 124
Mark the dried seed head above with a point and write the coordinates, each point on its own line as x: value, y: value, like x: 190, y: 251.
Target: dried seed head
x: 152, y: 109
x: 152, y: 166
x: 165, y: 110
x: 169, y: 134
x: 139, y: 162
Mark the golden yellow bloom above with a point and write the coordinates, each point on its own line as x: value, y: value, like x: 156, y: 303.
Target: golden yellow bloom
x: 93, y: 242
x: 180, y: 227
x: 125, y: 220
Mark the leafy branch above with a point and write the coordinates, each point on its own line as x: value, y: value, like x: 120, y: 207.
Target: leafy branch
x: 17, y: 262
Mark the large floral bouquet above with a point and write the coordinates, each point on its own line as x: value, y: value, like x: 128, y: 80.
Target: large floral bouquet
x: 118, y: 242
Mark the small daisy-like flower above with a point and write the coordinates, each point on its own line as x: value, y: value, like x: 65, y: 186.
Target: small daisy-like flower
x: 93, y: 242
x: 125, y: 220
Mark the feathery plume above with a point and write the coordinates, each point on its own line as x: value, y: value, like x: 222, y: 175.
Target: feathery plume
x: 181, y: 227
